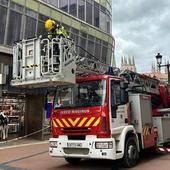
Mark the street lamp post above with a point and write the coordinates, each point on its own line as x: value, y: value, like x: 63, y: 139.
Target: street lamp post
x: 159, y: 61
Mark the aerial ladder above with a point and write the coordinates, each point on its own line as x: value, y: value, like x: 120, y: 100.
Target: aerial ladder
x: 41, y: 62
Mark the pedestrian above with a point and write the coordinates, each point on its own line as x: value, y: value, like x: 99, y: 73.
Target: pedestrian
x: 3, y: 126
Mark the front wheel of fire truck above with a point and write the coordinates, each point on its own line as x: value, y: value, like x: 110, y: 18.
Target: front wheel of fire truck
x: 73, y: 160
x: 131, y: 154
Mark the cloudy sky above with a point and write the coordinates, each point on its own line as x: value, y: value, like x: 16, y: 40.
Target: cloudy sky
x: 141, y: 29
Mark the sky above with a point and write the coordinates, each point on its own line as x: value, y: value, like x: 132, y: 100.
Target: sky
x: 141, y: 29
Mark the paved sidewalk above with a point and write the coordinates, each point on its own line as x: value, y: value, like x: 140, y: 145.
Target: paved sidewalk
x: 20, y: 142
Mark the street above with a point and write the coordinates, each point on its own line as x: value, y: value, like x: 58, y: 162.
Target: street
x: 35, y: 157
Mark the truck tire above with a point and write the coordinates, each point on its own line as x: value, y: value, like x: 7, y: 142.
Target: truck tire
x: 73, y: 160
x: 131, y: 154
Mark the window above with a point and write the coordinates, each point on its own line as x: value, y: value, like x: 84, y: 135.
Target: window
x: 82, y: 94
x: 102, y: 21
x: 31, y: 13
x: 73, y: 7
x: 43, y: 17
x: 3, y: 14
x: 81, y: 9
x: 104, y: 53
x: 108, y: 24
x: 90, y: 47
x: 16, y: 7
x: 96, y: 14
x: 63, y: 5
x: 53, y: 2
x: 14, y: 27
x: 4, y: 2
x: 83, y: 40
x: 109, y: 54
x: 98, y: 48
x: 74, y: 35
x: 41, y: 29
x: 115, y: 97
x: 30, y: 31
x: 89, y: 13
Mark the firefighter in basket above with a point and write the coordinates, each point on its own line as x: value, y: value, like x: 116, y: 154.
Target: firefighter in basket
x: 55, y: 30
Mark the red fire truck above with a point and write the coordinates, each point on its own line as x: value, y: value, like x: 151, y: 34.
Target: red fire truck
x: 95, y: 115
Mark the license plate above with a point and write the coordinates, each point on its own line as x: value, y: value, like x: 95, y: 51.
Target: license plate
x: 74, y: 145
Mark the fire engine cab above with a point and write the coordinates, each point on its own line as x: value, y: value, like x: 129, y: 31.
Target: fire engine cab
x: 95, y: 115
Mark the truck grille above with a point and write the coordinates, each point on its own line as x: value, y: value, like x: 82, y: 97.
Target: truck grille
x: 79, y: 151
x: 75, y: 130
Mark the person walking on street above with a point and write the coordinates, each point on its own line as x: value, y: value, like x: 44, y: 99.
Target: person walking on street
x: 3, y: 126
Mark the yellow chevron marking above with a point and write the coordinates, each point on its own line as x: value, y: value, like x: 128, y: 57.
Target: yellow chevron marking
x: 90, y: 121
x: 60, y: 124
x: 82, y: 121
x: 65, y: 122
x: 73, y: 122
x: 54, y: 124
x: 97, y: 122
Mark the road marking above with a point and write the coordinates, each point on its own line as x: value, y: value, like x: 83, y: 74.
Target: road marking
x: 22, y: 145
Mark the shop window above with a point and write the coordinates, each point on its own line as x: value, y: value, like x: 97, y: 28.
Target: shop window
x: 3, y: 14
x: 14, y: 109
x: 63, y: 5
x: 73, y: 7
x: 14, y: 28
x: 81, y: 9
x: 30, y: 31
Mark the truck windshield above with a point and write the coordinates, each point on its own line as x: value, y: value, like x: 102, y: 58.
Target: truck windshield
x: 83, y: 94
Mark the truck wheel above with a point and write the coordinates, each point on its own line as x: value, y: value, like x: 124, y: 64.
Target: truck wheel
x: 73, y: 160
x: 131, y: 154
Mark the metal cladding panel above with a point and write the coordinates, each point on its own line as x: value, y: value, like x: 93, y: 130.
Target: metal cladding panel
x: 141, y: 111
x: 163, y: 125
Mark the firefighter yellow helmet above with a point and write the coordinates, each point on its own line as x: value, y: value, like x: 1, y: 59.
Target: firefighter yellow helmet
x: 49, y: 24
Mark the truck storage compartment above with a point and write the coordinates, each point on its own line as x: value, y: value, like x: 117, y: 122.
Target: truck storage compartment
x: 162, y: 124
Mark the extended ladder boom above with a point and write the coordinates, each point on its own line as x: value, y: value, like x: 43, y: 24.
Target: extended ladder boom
x: 140, y: 82
x: 41, y: 62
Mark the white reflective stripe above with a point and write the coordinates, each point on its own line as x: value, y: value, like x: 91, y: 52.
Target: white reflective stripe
x: 168, y: 149
x: 161, y: 149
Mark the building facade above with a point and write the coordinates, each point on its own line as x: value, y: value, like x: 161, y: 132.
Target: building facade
x: 88, y: 22
x: 128, y: 64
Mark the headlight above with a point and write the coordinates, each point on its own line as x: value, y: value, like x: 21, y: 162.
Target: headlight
x: 104, y: 145
x: 53, y: 144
